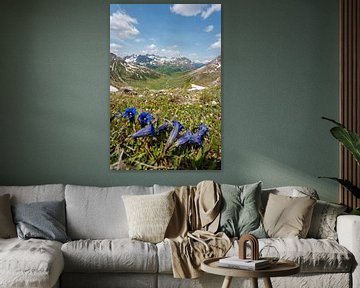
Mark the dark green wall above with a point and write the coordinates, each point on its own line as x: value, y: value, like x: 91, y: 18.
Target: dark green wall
x: 280, y: 75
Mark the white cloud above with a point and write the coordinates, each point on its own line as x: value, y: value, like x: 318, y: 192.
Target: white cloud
x: 188, y: 9
x: 209, y: 28
x: 171, y: 51
x: 138, y: 40
x: 115, y: 48
x: 122, y: 26
x: 152, y: 47
x: 212, y: 9
x: 217, y: 43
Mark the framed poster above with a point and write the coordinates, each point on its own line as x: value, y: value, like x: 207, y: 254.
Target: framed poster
x: 165, y: 86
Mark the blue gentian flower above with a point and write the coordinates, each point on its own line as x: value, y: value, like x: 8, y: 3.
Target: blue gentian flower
x: 203, y: 130
x: 177, y: 127
x: 144, y: 118
x: 163, y: 127
x: 196, y: 138
x: 199, y: 135
x: 188, y: 138
x: 148, y: 130
x: 130, y: 114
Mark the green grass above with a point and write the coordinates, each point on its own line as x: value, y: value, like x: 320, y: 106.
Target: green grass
x: 190, y: 109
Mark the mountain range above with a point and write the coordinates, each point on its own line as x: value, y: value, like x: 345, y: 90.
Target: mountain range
x: 131, y: 69
x: 122, y: 72
x: 163, y: 64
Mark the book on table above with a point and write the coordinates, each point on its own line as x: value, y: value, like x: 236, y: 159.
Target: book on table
x: 249, y: 264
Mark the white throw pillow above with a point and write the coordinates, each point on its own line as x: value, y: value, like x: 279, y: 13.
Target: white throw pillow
x: 149, y: 215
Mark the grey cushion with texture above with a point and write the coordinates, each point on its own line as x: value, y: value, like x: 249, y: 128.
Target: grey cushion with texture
x: 44, y: 220
x: 323, y: 222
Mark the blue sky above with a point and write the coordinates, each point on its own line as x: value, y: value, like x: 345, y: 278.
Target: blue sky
x: 172, y: 30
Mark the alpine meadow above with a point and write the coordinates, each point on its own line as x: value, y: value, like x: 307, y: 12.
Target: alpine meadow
x: 165, y: 87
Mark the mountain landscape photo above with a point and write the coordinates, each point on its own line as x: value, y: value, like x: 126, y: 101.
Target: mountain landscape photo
x: 165, y: 91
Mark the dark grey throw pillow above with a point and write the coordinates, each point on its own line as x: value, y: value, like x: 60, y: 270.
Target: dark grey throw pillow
x: 240, y: 213
x: 44, y: 220
x: 7, y: 227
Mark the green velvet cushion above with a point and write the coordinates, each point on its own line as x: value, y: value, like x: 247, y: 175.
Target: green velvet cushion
x: 240, y: 210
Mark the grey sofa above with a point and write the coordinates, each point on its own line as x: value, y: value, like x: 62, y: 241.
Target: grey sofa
x: 101, y: 254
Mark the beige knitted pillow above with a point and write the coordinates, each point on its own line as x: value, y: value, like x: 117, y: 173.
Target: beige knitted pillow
x: 288, y: 217
x: 149, y: 215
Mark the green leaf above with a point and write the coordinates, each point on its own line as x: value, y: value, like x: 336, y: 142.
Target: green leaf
x: 347, y: 184
x: 348, y: 138
x: 355, y: 211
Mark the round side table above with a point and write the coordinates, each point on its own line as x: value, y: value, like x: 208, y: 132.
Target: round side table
x: 281, y: 268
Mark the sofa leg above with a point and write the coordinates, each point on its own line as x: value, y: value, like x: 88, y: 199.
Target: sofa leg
x: 267, y: 283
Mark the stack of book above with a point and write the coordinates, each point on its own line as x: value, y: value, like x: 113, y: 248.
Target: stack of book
x: 248, y: 264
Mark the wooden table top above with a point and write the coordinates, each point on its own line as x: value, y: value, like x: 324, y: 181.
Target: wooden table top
x: 281, y: 268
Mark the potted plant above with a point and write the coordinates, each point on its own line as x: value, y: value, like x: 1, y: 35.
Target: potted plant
x: 351, y: 141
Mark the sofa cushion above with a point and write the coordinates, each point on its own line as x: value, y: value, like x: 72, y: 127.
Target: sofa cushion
x: 163, y: 188
x: 313, y: 255
x: 323, y: 222
x: 36, y: 193
x: 240, y: 210
x: 287, y: 216
x: 291, y: 191
x: 30, y: 263
x: 7, y: 226
x: 116, y: 255
x: 43, y: 220
x: 149, y: 215
x: 98, y: 213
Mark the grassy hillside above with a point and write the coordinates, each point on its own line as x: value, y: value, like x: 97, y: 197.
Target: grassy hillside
x: 150, y: 152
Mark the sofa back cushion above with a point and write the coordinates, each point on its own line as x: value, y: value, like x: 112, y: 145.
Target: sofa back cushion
x: 98, y: 213
x: 291, y: 191
x: 288, y: 217
x: 36, y: 193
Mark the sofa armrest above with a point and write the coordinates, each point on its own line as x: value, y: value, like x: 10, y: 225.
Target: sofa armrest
x: 348, y: 230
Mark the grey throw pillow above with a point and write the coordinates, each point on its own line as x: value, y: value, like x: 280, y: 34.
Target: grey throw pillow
x: 44, y: 220
x: 7, y: 226
x: 240, y: 213
x: 323, y: 222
